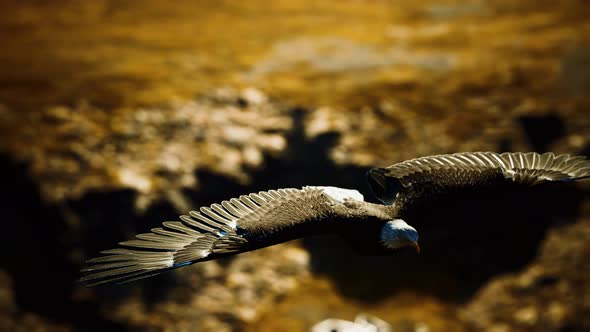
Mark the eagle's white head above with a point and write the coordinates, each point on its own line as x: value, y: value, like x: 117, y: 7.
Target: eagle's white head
x: 397, y: 234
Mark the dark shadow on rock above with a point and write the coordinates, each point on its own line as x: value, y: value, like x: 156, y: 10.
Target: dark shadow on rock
x: 304, y: 163
x: 542, y: 130
x: 505, y: 145
x: 574, y: 329
x: 109, y: 218
x: 36, y: 251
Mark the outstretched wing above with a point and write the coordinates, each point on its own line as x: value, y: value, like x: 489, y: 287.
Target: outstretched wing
x: 234, y: 226
x: 428, y: 175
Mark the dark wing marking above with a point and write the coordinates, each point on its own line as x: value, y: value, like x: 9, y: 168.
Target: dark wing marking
x: 524, y: 168
x: 199, y: 236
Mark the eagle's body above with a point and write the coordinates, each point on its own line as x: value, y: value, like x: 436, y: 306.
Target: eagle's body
x: 415, y: 191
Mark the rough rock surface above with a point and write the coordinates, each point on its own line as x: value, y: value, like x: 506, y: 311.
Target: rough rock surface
x: 13, y: 320
x: 551, y: 294
x: 214, y: 297
x: 108, y: 109
x: 154, y: 151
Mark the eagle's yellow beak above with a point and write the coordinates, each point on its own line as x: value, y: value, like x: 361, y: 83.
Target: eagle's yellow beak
x: 415, y: 245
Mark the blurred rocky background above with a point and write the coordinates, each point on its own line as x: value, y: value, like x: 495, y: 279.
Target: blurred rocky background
x: 118, y: 115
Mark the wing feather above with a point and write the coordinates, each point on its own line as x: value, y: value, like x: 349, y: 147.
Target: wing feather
x: 524, y: 168
x: 200, y: 235
x: 246, y: 199
x: 216, y: 217
x: 244, y: 210
x: 178, y: 226
x: 222, y: 212
x: 266, y: 196
x: 258, y: 199
x: 202, y: 224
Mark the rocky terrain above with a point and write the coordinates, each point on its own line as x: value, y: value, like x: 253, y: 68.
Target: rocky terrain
x: 115, y: 117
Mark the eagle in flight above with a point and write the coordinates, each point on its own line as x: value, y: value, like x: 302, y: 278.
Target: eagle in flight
x: 263, y: 219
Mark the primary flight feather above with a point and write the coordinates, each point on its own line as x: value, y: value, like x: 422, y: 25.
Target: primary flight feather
x: 267, y: 218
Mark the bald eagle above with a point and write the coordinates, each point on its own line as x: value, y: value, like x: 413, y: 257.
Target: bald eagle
x: 263, y: 219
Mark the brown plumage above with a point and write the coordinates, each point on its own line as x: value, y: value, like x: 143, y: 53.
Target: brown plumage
x: 266, y: 218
